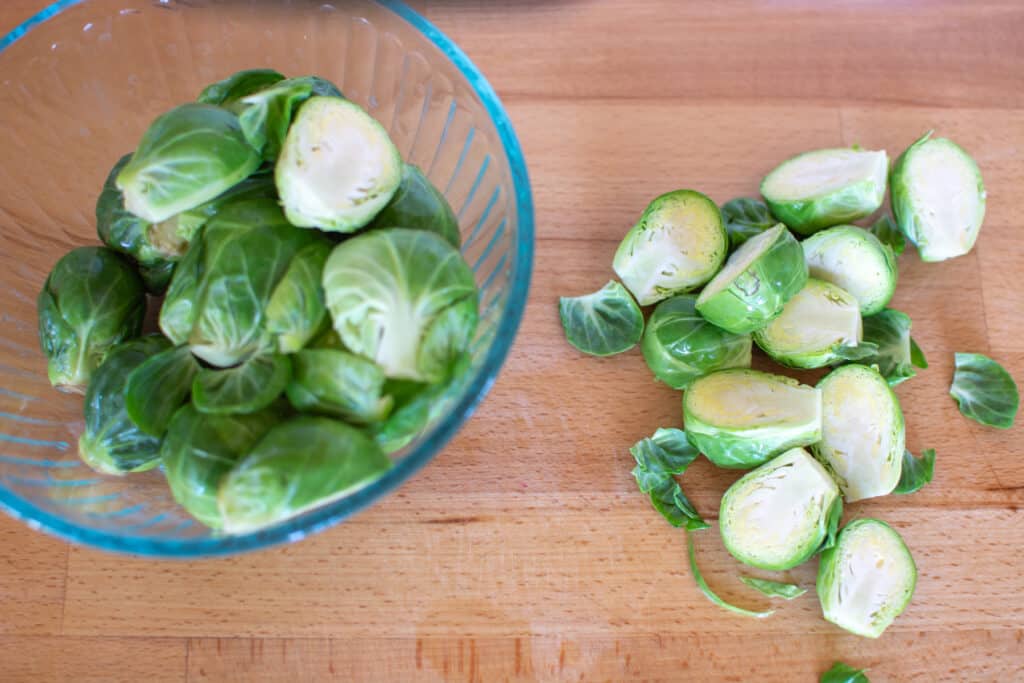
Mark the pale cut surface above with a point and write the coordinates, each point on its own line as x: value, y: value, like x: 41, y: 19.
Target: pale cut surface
x: 822, y: 172
x: 747, y: 401
x: 818, y: 317
x: 943, y: 189
x: 740, y: 260
x: 849, y: 260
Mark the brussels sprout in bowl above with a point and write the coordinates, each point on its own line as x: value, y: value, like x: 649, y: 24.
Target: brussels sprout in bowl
x: 445, y: 122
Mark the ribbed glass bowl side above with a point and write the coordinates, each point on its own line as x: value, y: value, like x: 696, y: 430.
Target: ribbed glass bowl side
x: 81, y: 81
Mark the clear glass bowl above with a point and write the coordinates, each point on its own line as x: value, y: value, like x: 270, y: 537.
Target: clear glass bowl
x: 80, y: 82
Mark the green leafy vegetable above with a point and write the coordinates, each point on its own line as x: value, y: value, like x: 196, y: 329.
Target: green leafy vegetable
x: 774, y: 589
x: 985, y: 390
x: 158, y: 387
x: 710, y: 594
x: 238, y: 85
x: 339, y: 384
x: 178, y: 312
x: 888, y: 233
x: 245, y: 388
x: 895, y: 357
x: 844, y: 673
x: 658, y: 459
x: 266, y: 115
x: 916, y: 472
x: 744, y: 218
x: 603, y: 323
x: 418, y: 204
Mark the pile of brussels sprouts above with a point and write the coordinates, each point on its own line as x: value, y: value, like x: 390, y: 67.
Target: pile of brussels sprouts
x: 315, y: 305
x: 816, y: 303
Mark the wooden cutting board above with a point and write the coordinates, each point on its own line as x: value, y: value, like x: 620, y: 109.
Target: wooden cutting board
x: 524, y: 552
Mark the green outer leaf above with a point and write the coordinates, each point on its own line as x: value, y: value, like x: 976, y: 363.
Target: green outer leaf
x: 917, y: 355
x: 91, y: 301
x: 745, y: 217
x: 299, y: 464
x: 187, y: 157
x: 985, y: 391
x: 757, y: 294
x: 668, y: 451
x: 844, y: 673
x: 266, y: 115
x: 158, y: 387
x: 338, y: 384
x: 419, y: 205
x: 246, y: 388
x: 296, y: 310
x: 916, y: 472
x: 238, y: 85
x: 658, y: 458
x: 178, y: 312
x: 774, y: 589
x: 835, y: 516
x: 856, y: 353
x: 446, y: 339
x: 679, y: 345
x: 889, y: 331
x: 888, y: 233
x: 604, y: 323
x: 709, y: 594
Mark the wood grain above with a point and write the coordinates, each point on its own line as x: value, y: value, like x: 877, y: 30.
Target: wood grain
x: 524, y: 551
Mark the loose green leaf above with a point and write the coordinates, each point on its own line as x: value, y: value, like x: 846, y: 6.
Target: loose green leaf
x: 604, y: 323
x: 668, y: 498
x: 266, y: 115
x: 985, y: 390
x: 246, y: 388
x: 238, y: 85
x: 667, y: 452
x: 844, y: 673
x: 658, y: 459
x: 916, y: 471
x: 835, y: 515
x: 774, y: 589
x: 917, y: 358
x: 856, y: 353
x: 709, y: 594
x: 157, y: 388
x: 889, y: 234
x: 744, y: 218
x: 889, y: 332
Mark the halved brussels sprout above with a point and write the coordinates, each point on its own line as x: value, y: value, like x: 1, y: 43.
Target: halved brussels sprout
x: 777, y: 516
x: 603, y: 323
x: 296, y: 310
x: 826, y: 187
x: 744, y: 218
x: 188, y: 156
x: 266, y: 115
x: 338, y: 384
x: 867, y: 579
x: 338, y: 167
x: 756, y: 282
x: 938, y: 198
x: 92, y: 300
x: 158, y: 387
x: 742, y: 418
x: 418, y: 204
x: 863, y: 435
x: 112, y: 443
x: 238, y: 85
x: 405, y: 299
x: 245, y: 388
x: 854, y: 259
x: 199, y: 450
x: 300, y: 464
x: 818, y: 326
x: 679, y: 345
x: 678, y: 244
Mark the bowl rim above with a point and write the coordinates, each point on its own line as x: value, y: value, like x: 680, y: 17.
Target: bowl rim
x: 330, y: 514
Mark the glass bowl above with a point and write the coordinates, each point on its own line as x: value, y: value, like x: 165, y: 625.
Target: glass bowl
x: 80, y: 82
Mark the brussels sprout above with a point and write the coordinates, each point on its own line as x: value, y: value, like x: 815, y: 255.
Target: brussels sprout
x: 410, y: 413
x: 199, y: 450
x: 238, y: 85
x: 916, y: 472
x: 603, y: 323
x: 158, y: 387
x: 938, y: 198
x: 826, y: 187
x: 658, y: 460
x: 418, y: 204
x: 742, y: 418
x: 266, y: 115
x: 854, y: 259
x: 111, y: 442
x: 338, y: 384
x: 756, y: 282
x: 818, y: 326
x: 178, y: 311
x: 744, y: 218
x: 245, y: 388
x: 296, y: 310
x: 984, y: 390
x: 680, y: 346
x: 91, y: 301
x: 678, y: 244
x: 867, y: 579
x: 888, y: 233
x: 188, y: 156
x: 863, y: 434
x: 386, y: 289
x: 338, y: 167
x: 298, y: 465
x: 897, y: 354
x: 777, y: 516
x: 247, y: 249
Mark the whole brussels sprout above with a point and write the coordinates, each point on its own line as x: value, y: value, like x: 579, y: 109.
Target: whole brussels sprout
x: 418, y: 204
x: 92, y: 300
x: 245, y: 388
x: 296, y: 310
x: 238, y: 85
x: 339, y: 384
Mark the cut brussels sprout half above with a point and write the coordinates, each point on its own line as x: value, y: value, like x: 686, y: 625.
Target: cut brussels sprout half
x: 854, y: 259
x: 603, y: 323
x: 776, y: 517
x: 678, y: 244
x: 818, y: 326
x: 742, y: 418
x: 826, y: 187
x: 679, y: 345
x: 867, y: 579
x: 758, y: 279
x: 744, y: 218
x: 863, y: 435
x: 188, y: 156
x: 338, y: 167
x: 419, y: 205
x: 938, y: 198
